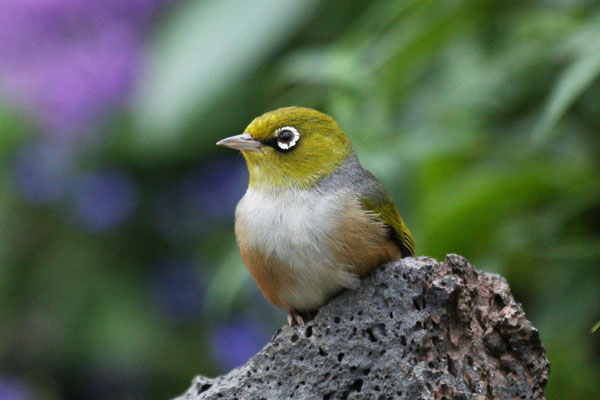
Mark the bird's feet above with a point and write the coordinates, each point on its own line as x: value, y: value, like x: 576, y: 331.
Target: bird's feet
x: 295, y: 316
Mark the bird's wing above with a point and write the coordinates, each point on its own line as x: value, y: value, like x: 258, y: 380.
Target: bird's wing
x: 374, y: 199
x: 382, y: 206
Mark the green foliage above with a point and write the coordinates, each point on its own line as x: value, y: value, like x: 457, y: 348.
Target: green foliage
x: 479, y: 117
x: 204, y: 50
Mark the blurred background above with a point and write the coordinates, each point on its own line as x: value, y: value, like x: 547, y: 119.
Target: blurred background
x: 119, y: 274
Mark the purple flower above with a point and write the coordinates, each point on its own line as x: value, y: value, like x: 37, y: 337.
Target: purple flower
x: 219, y: 187
x: 197, y: 202
x: 13, y: 389
x: 177, y: 288
x: 236, y: 341
x: 104, y: 199
x: 43, y: 172
x: 71, y: 61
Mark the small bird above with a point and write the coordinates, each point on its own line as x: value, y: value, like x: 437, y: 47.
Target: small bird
x: 313, y: 220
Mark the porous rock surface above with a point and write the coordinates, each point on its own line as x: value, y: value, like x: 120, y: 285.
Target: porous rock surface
x: 415, y: 329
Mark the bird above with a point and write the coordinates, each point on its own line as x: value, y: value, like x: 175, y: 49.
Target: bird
x: 312, y: 220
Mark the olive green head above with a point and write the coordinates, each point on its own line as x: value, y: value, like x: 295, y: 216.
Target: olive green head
x: 291, y: 146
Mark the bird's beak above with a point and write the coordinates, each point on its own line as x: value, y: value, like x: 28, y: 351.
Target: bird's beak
x: 241, y: 142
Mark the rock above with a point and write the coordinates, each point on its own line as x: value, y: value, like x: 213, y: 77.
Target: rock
x: 415, y: 329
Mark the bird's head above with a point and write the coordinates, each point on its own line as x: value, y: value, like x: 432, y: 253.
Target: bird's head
x: 291, y: 147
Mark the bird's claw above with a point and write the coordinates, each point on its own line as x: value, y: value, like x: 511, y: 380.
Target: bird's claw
x: 294, y: 316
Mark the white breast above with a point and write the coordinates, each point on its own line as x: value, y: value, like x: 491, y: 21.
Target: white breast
x: 294, y: 227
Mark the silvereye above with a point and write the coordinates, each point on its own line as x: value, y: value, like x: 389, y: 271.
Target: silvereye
x: 313, y: 220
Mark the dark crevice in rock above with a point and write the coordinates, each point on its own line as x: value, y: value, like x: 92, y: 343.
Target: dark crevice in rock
x: 204, y: 388
x: 308, y: 332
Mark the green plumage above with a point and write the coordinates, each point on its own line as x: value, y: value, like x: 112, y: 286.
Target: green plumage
x: 386, y: 212
x: 322, y: 147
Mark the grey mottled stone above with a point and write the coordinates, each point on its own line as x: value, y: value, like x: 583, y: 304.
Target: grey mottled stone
x: 414, y: 329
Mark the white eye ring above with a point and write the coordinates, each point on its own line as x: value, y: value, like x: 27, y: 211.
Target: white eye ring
x: 292, y: 142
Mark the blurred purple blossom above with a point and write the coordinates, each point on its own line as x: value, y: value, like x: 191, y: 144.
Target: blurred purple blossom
x: 219, y: 187
x: 236, y: 341
x: 13, y: 389
x: 71, y: 61
x: 177, y: 288
x: 42, y: 172
x: 104, y: 199
x: 198, y: 201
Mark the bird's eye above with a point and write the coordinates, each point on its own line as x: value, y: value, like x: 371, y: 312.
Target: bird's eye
x: 287, y: 137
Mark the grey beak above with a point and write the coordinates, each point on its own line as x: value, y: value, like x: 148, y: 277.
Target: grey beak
x: 241, y: 142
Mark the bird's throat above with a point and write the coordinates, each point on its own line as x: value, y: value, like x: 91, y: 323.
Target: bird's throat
x: 303, y: 173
